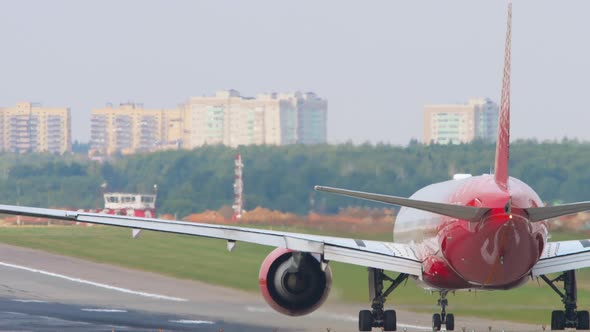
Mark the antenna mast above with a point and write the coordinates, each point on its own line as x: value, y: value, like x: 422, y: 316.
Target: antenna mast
x: 238, y: 188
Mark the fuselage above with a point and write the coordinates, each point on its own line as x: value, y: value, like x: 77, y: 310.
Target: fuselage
x: 496, y: 252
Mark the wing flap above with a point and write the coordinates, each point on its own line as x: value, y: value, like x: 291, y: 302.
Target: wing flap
x: 395, y: 257
x: 374, y: 260
x: 469, y: 213
x: 563, y: 256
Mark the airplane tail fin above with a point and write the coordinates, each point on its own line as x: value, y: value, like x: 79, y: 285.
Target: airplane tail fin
x: 503, y: 140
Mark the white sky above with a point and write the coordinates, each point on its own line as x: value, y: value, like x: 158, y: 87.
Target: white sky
x: 377, y: 62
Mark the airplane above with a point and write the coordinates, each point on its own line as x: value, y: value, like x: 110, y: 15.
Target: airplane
x: 485, y: 232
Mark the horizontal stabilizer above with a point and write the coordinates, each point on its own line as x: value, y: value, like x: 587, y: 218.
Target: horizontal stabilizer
x: 469, y: 213
x: 547, y: 212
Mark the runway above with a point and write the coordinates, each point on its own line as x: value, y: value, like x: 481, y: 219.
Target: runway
x: 40, y: 291
x: 35, y: 315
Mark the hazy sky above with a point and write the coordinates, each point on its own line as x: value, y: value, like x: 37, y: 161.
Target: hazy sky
x: 377, y: 62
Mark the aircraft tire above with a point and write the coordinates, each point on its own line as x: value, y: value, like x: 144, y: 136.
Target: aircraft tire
x: 365, y: 320
x: 450, y: 322
x: 583, y: 320
x: 436, y: 322
x: 557, y: 320
x: 389, y: 320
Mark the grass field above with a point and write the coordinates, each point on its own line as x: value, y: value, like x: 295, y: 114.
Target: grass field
x: 208, y: 260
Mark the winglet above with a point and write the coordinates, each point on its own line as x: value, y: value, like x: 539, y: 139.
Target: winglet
x: 503, y: 141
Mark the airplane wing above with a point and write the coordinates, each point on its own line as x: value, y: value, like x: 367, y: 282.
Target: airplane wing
x: 563, y: 256
x: 388, y: 256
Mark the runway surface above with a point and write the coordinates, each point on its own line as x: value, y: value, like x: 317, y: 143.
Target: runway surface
x: 40, y: 291
x: 34, y: 315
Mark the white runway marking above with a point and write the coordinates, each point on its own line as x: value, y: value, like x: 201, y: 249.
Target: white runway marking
x: 96, y: 284
x: 258, y: 309
x: 104, y: 310
x: 339, y: 317
x: 28, y: 301
x: 187, y: 321
x: 417, y: 327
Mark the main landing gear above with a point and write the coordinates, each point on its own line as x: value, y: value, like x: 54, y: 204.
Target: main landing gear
x: 570, y: 318
x: 443, y: 318
x: 378, y: 317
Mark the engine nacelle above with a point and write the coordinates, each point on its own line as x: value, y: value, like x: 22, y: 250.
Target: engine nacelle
x: 293, y: 283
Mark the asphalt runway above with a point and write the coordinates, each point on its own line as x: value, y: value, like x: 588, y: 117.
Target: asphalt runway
x: 40, y: 291
x: 35, y: 315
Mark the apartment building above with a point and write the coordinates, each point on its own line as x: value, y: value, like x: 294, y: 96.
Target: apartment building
x: 225, y: 118
x: 209, y: 118
x: 461, y: 123
x: 274, y: 119
x: 312, y: 118
x: 29, y: 127
x: 131, y: 128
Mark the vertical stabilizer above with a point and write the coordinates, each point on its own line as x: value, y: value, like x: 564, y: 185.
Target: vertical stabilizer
x: 503, y: 141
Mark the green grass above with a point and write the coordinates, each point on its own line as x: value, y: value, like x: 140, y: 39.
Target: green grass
x: 208, y: 260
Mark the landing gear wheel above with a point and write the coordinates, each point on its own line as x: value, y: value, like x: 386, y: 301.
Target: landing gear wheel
x: 557, y: 320
x: 570, y: 318
x: 365, y: 320
x: 583, y: 320
x: 436, y: 322
x: 450, y: 322
x: 389, y: 320
x: 443, y: 318
x: 377, y: 317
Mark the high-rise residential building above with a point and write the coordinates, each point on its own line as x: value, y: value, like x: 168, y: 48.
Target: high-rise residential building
x: 29, y: 127
x: 312, y: 118
x: 280, y: 118
x: 209, y: 118
x: 274, y: 119
x: 461, y: 123
x: 230, y: 119
x: 130, y: 128
x: 225, y: 118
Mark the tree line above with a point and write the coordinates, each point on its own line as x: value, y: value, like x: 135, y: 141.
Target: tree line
x: 282, y: 177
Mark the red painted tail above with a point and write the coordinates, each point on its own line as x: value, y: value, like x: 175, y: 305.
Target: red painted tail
x: 503, y: 141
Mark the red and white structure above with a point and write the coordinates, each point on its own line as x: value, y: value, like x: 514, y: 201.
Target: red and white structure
x: 128, y: 204
x: 238, y: 188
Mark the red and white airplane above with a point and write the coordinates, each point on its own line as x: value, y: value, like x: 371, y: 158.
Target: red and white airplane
x: 481, y: 232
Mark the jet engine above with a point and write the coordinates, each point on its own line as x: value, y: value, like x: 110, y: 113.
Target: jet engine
x: 293, y: 283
